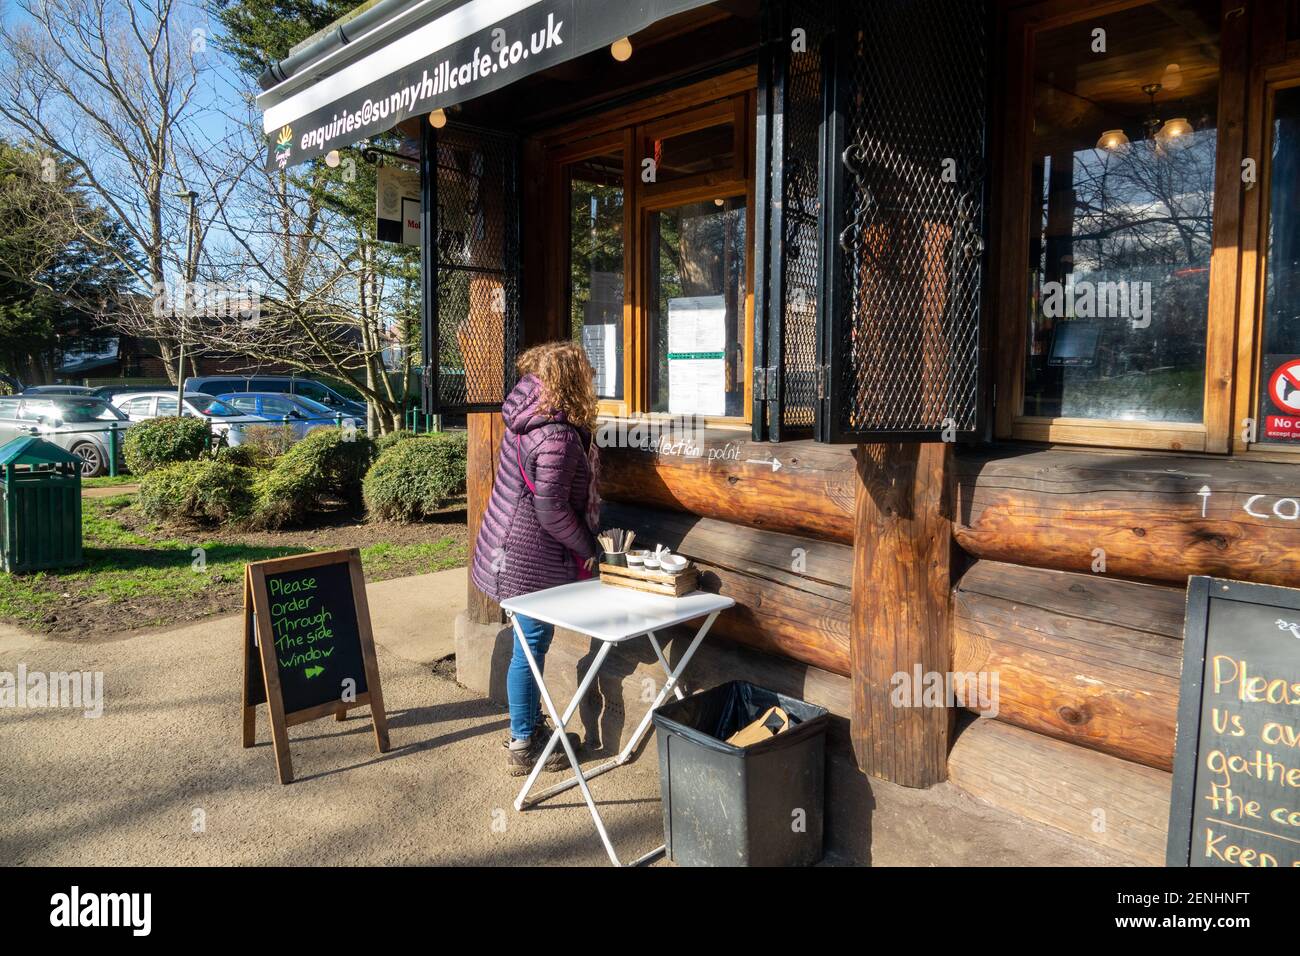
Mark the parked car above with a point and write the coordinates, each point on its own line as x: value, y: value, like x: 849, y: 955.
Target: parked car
x: 77, y: 423
x: 108, y: 391
x: 226, y: 422
x: 296, y: 411
x: 58, y: 390
x: 281, y: 385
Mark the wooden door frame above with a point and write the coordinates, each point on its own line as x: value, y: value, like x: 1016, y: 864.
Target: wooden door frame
x: 1275, y: 66
x: 557, y: 231
x: 1214, y: 432
x: 730, y: 97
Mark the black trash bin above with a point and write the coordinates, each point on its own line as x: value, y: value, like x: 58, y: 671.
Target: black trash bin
x: 723, y: 805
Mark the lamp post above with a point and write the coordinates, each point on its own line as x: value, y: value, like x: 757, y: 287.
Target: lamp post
x: 188, y: 278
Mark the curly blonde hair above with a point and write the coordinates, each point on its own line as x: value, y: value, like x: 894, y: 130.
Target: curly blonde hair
x: 568, y: 380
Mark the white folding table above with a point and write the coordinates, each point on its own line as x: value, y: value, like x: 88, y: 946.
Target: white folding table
x: 612, y: 615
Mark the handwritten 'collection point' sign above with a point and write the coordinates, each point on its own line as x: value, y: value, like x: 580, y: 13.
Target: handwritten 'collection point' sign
x: 1236, y: 794
x: 308, y: 649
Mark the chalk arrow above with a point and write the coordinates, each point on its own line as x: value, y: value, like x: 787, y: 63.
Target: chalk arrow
x: 1205, y: 498
x: 314, y: 671
x: 773, y: 461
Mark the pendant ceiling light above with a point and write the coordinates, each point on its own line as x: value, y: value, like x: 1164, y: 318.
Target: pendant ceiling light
x: 1174, y: 129
x: 1162, y: 133
x: 1112, y: 140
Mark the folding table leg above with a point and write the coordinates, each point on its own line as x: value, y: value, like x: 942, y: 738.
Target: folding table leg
x: 669, y: 685
x: 580, y: 779
x: 654, y: 642
x: 562, y: 736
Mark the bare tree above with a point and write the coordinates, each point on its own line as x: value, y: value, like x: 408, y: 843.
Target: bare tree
x: 106, y: 87
x: 333, y: 298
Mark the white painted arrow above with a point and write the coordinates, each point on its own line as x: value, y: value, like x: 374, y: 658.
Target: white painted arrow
x: 773, y: 461
x: 1205, y: 498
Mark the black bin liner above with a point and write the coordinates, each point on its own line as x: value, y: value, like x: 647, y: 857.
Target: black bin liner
x: 761, y: 805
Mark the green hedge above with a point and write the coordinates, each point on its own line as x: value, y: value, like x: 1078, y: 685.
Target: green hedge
x: 417, y: 477
x: 202, y: 492
x: 385, y: 442
x: 237, y: 455
x: 327, y: 463
x: 237, y: 486
x: 164, y: 441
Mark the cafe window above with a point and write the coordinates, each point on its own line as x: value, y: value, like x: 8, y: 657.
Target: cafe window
x: 1278, y: 385
x: 656, y: 275
x: 696, y: 306
x: 1117, y: 329
x: 596, y: 264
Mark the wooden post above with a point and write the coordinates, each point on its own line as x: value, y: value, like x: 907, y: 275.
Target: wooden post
x: 485, y: 430
x: 900, y: 617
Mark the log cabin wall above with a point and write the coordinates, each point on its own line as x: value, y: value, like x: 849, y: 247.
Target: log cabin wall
x: 1070, y: 580
x: 768, y: 525
x: 1063, y: 573
x: 1075, y: 585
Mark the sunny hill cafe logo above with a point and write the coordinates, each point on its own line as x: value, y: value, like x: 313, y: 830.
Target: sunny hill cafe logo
x: 283, y: 146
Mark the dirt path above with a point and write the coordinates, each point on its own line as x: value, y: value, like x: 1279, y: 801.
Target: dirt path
x: 110, y: 491
x: 128, y: 787
x: 161, y: 778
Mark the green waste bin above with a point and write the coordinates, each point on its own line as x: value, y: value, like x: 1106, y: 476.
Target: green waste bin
x: 40, y: 506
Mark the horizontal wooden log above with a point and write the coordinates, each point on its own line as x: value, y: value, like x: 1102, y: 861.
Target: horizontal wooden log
x: 1118, y: 806
x: 1147, y: 515
x: 792, y: 593
x: 1079, y: 658
x: 800, y: 487
x: 736, y: 546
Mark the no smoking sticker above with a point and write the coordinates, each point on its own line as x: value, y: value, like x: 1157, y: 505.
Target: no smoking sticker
x: 1282, y: 395
x: 1284, y: 386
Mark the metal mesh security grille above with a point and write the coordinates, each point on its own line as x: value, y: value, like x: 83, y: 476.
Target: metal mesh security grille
x: 476, y: 296
x: 802, y: 112
x: 911, y: 94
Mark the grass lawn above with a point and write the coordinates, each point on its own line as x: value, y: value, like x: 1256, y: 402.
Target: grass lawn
x: 140, y: 575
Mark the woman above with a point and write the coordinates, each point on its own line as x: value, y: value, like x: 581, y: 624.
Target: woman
x: 538, y: 531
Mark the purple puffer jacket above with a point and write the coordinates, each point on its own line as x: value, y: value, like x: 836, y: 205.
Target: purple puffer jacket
x: 527, y: 542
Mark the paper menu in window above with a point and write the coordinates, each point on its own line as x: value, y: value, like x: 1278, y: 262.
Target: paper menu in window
x: 601, y: 342
x: 697, y: 324
x: 697, y: 341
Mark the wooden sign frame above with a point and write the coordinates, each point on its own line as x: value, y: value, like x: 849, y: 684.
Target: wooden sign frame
x: 1196, y: 631
x: 260, y: 655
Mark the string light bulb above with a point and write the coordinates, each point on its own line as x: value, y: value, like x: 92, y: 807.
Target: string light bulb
x: 438, y: 118
x: 332, y: 159
x: 621, y: 50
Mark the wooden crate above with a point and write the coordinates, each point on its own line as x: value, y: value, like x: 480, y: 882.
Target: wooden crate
x: 656, y: 582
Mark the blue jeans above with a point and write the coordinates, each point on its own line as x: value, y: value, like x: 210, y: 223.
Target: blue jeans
x: 522, y: 691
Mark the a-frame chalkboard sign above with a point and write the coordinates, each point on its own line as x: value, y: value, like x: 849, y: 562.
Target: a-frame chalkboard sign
x: 308, y: 648
x: 1236, y: 787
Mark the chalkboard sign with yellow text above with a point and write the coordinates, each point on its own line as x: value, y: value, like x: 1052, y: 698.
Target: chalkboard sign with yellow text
x: 1236, y: 793
x: 308, y: 648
